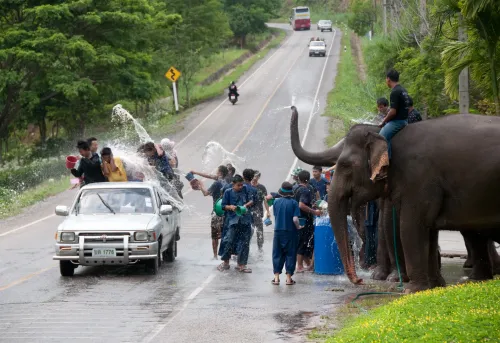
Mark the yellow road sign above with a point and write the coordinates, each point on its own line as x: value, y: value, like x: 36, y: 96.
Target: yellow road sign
x: 173, y: 74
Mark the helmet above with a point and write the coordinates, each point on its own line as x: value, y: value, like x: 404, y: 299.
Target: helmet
x: 296, y: 171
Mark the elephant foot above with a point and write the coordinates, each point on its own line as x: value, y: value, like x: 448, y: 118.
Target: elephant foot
x: 468, y: 263
x: 413, y: 287
x: 380, y: 273
x: 496, y: 270
x: 438, y: 282
x: 394, y: 277
x: 481, y: 274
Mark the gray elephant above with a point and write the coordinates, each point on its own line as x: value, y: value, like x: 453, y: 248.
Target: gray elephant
x: 444, y: 175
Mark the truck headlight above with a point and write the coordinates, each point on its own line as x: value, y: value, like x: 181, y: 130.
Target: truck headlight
x: 141, y: 236
x: 67, y: 236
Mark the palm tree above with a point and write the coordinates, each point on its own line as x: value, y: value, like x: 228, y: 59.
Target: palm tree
x: 480, y: 52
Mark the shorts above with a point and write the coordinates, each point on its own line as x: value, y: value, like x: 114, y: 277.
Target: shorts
x: 216, y: 225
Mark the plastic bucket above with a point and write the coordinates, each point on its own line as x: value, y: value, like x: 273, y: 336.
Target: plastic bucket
x: 326, y: 253
x: 241, y: 210
x: 270, y: 202
x: 71, y: 161
x: 302, y: 221
x: 218, y: 208
x: 189, y: 176
x: 267, y: 222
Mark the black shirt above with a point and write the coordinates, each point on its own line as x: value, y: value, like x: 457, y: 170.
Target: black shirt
x: 90, y: 169
x: 414, y: 116
x: 400, y: 102
x: 261, y: 195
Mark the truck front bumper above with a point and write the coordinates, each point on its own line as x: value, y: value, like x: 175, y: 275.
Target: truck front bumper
x: 126, y: 252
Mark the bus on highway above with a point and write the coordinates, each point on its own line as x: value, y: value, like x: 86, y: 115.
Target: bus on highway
x: 301, y: 18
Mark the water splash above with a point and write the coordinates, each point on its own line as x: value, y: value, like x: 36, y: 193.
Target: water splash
x: 121, y: 115
x: 215, y: 155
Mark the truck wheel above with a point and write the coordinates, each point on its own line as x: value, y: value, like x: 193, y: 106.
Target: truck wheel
x: 66, y: 268
x: 154, y: 265
x: 171, y: 252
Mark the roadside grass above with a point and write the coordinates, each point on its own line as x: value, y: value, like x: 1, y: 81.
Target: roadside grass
x: 350, y: 98
x: 14, y: 204
x: 460, y: 313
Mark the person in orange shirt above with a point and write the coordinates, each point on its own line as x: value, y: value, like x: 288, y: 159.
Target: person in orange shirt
x: 112, y: 167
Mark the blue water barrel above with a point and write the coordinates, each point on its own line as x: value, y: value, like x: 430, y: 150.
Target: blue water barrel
x: 326, y: 253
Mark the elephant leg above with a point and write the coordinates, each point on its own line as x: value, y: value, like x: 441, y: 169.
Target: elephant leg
x: 494, y: 258
x: 383, y: 268
x: 435, y: 277
x: 415, y: 236
x: 468, y: 261
x: 481, y: 269
x: 359, y: 219
x: 394, y: 253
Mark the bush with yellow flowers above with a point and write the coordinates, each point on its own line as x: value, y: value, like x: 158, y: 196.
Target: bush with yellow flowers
x: 462, y: 313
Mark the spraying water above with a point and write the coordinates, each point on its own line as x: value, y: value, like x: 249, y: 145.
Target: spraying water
x: 136, y: 165
x: 215, y: 155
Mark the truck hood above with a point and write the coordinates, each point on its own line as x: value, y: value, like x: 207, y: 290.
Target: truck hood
x: 105, y: 222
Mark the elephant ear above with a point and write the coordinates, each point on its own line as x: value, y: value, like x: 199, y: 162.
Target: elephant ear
x: 379, y: 157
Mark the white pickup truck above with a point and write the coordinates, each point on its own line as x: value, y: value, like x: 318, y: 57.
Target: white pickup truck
x: 317, y: 48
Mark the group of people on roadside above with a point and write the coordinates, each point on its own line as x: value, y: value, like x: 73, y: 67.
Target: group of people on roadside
x: 93, y: 167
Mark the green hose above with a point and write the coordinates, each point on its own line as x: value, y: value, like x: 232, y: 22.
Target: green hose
x: 400, y: 286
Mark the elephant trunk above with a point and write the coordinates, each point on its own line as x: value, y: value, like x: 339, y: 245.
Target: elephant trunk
x: 328, y: 157
x: 338, y: 216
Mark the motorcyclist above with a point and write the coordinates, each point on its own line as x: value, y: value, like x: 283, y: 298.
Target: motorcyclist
x: 233, y: 90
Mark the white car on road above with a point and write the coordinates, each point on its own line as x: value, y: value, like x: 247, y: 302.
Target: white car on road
x: 317, y: 48
x: 325, y: 25
x: 117, y: 224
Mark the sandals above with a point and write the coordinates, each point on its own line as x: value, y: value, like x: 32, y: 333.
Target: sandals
x: 274, y: 282
x: 291, y: 283
x: 221, y: 267
x: 245, y: 270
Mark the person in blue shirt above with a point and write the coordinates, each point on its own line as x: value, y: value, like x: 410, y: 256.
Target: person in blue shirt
x: 319, y: 182
x: 248, y: 175
x: 286, y: 214
x: 215, y: 191
x: 237, y: 226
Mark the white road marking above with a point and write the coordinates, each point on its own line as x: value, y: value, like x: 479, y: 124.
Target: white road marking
x: 159, y: 328
x: 27, y: 225
x: 311, y: 114
x: 225, y: 100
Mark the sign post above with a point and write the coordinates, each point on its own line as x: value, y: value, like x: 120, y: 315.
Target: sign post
x: 173, y: 75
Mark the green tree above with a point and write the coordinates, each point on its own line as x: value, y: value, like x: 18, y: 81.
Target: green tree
x: 362, y: 17
x: 248, y: 17
x: 481, y: 51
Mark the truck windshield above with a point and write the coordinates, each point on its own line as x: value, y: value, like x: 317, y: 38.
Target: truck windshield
x: 120, y: 200
x: 301, y: 10
x: 325, y: 22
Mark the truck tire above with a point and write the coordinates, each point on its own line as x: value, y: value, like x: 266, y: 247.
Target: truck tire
x: 153, y: 265
x: 170, y: 254
x: 66, y: 268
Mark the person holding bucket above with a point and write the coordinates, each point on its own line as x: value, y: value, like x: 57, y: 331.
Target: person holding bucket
x: 215, y: 191
x: 286, y: 214
x: 88, y: 167
x: 236, y: 202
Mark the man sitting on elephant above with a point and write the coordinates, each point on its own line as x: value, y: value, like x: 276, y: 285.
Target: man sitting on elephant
x: 397, y: 117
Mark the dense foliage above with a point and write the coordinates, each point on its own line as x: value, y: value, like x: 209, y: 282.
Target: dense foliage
x: 422, y: 43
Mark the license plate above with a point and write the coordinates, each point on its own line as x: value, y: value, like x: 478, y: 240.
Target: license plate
x: 101, y: 252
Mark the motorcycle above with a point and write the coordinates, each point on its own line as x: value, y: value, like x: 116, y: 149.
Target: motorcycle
x: 233, y: 98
